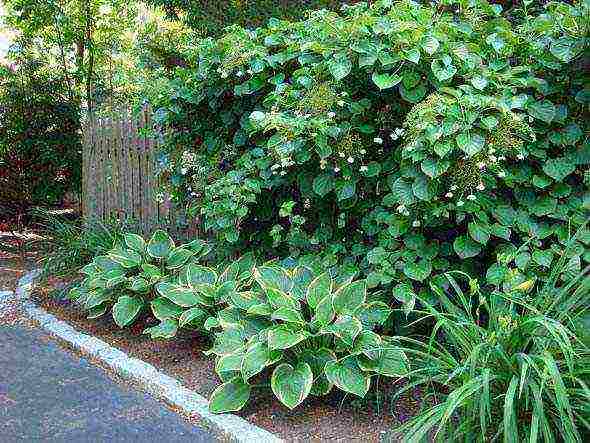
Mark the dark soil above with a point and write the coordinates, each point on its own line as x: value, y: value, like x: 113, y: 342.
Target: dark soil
x: 336, y: 417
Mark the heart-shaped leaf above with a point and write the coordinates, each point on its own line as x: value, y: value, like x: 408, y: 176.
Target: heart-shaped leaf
x: 348, y: 376
x: 126, y: 309
x: 292, y: 385
x: 160, y: 245
x: 135, y: 242
x: 230, y: 396
x: 180, y: 295
x: 178, y: 258
x: 385, y: 80
x: 349, y: 297
x: 283, y: 337
x: 470, y: 143
x: 162, y: 308
x: 192, y: 316
x: 165, y: 330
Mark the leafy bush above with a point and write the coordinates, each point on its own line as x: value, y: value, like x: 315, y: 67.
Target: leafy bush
x: 398, y: 139
x: 511, y: 362
x: 40, y: 146
x: 210, y: 17
x: 313, y: 333
x: 136, y: 276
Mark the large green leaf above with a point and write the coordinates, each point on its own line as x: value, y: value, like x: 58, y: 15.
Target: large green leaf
x: 373, y: 314
x: 126, y: 309
x: 197, y: 275
x: 322, y: 184
x: 162, y: 308
x: 291, y: 384
x: 230, y: 396
x: 465, y: 247
x: 324, y: 312
x: 345, y: 327
x: 389, y: 361
x: 349, y: 297
x: 317, y: 359
x: 348, y: 376
x: 318, y: 289
x: 127, y: 258
x: 288, y: 315
x: 193, y: 317
x: 284, y: 337
x: 160, y: 245
x: 340, y: 66
x: 181, y: 295
x: 255, y: 360
x: 273, y: 277
x: 165, y: 330
x: 419, y: 270
x: 558, y: 168
x: 178, y: 258
x: 470, y: 143
x: 135, y: 242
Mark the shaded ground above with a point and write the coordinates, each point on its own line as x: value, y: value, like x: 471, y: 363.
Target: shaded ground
x: 47, y: 394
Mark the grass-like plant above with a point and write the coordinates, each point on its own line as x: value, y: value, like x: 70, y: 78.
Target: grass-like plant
x: 504, y: 366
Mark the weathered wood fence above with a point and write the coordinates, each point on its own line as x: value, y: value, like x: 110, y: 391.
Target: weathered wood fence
x: 119, y: 175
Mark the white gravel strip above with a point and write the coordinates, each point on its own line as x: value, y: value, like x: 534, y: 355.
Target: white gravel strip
x: 228, y: 427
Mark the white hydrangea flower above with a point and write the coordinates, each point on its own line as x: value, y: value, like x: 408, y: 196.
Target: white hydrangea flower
x: 363, y: 151
x: 350, y: 160
x: 336, y: 169
x: 378, y: 140
x: 520, y: 157
x: 471, y: 197
x: 331, y: 114
x: 340, y: 103
x: 501, y: 174
x: 364, y: 168
x: 481, y: 165
x: 341, y: 154
x: 449, y: 195
x: 416, y: 223
x: 454, y: 188
x: 239, y: 73
x: 481, y: 187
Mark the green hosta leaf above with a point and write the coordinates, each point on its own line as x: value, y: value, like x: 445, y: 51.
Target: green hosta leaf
x: 230, y: 396
x: 558, y: 168
x: 465, y: 247
x: 163, y: 309
x: 245, y: 299
x: 127, y: 258
x: 140, y: 284
x: 563, y: 48
x: 280, y: 299
x: 180, y: 295
x: 126, y: 310
x: 479, y: 82
x: 323, y: 184
x: 273, y: 277
x: 373, y: 314
x: 288, y: 315
x: 419, y: 270
x: 193, y: 316
x: 340, y: 66
x: 470, y: 143
x: 318, y: 289
x: 350, y: 297
x: 385, y: 80
x: 404, y: 293
x: 165, y: 330
x: 197, y: 275
x: 106, y: 264
x: 178, y: 258
x: 317, y: 359
x: 442, y: 71
x: 479, y: 232
x: 413, y: 95
x: 390, y: 362
x: 97, y: 311
x: 369, y: 344
x: 345, y: 327
x: 255, y: 360
x: 348, y: 376
x: 97, y: 298
x: 262, y: 309
x: 496, y: 274
x: 230, y: 363
x: 228, y: 341
x: 283, y: 337
x: 434, y: 168
x: 324, y: 312
x: 403, y: 191
x: 135, y: 242
x: 151, y: 272
x: 160, y: 245
x: 542, y: 110
x: 292, y: 385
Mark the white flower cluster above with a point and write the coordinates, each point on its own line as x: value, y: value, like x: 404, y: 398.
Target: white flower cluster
x: 403, y: 210
x: 397, y: 133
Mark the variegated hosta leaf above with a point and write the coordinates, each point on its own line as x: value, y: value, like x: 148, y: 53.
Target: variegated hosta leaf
x: 162, y: 308
x: 139, y: 284
x: 349, y: 297
x: 317, y: 359
x: 245, y: 299
x: 106, y: 264
x: 273, y: 277
x: 228, y: 341
x: 301, y: 277
x: 166, y: 329
x: 97, y: 311
x: 318, y: 289
x: 390, y: 361
x: 135, y: 242
x: 291, y: 384
x: 178, y: 258
x: 97, y: 298
x: 284, y: 337
x: 279, y: 299
x: 262, y: 309
x: 324, y: 313
x: 255, y: 360
x: 127, y: 258
x: 288, y: 315
x: 126, y: 310
x: 180, y: 295
x: 160, y: 245
x: 345, y: 328
x: 193, y: 316
x: 373, y: 314
x: 197, y: 275
x: 230, y: 396
x: 368, y: 343
x: 348, y: 376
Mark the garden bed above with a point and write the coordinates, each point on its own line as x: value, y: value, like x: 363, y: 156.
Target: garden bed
x: 333, y: 418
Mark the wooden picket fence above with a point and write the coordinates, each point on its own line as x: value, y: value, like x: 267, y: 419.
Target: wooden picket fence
x: 119, y: 175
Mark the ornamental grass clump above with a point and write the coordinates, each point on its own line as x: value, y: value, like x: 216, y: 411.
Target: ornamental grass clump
x: 506, y: 366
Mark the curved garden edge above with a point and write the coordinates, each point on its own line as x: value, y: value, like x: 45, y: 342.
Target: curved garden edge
x: 227, y: 427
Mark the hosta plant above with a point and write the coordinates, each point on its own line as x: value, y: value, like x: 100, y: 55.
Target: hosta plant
x: 156, y: 276
x: 511, y: 363
x: 309, y: 333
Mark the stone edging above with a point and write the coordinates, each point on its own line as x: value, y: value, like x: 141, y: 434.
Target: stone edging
x: 228, y: 427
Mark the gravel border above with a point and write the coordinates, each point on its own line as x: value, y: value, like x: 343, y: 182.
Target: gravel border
x: 228, y: 427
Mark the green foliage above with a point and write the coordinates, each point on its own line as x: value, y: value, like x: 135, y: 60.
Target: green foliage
x: 511, y: 362
x: 211, y: 17
x: 40, y: 146
x: 405, y: 139
x: 156, y: 276
x: 308, y: 331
